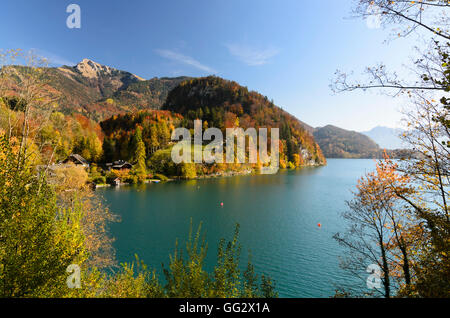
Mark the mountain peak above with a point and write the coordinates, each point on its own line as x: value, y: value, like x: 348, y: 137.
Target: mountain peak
x: 88, y: 62
x: 386, y: 137
x: 91, y: 69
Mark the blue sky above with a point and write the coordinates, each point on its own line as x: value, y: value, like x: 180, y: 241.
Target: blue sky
x: 287, y: 50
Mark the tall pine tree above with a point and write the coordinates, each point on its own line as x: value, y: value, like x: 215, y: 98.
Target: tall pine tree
x: 140, y: 156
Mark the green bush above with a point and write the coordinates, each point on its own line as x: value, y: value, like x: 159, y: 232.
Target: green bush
x: 99, y: 180
x: 188, y: 171
x: 185, y: 276
x: 132, y: 179
x: 160, y: 177
x: 38, y: 238
x: 161, y: 162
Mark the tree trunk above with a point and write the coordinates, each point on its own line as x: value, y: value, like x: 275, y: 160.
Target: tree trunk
x: 386, y: 282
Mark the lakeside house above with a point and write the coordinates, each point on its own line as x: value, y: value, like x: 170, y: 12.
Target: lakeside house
x: 76, y: 160
x: 73, y: 159
x: 117, y: 182
x: 119, y: 165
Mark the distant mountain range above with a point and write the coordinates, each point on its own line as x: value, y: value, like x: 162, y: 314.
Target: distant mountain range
x: 385, y: 137
x: 336, y: 142
x: 99, y: 92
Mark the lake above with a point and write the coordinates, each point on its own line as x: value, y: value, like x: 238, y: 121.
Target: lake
x: 278, y: 214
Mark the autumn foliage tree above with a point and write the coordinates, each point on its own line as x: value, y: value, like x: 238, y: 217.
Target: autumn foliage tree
x: 38, y: 239
x: 423, y: 244
x: 377, y: 224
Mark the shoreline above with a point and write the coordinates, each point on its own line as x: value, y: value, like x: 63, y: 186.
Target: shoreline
x: 228, y: 174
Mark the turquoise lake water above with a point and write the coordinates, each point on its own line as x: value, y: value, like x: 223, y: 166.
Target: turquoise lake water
x: 278, y: 215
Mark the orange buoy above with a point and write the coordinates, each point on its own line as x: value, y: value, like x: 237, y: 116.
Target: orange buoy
x: 319, y: 225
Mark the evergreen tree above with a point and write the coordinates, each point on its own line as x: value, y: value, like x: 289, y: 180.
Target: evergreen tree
x: 154, y: 142
x: 140, y: 155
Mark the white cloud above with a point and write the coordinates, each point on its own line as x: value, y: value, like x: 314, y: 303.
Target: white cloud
x: 252, y: 56
x: 183, y: 59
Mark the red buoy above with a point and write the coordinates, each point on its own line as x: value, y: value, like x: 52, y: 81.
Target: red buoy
x: 319, y: 225
x: 221, y: 204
